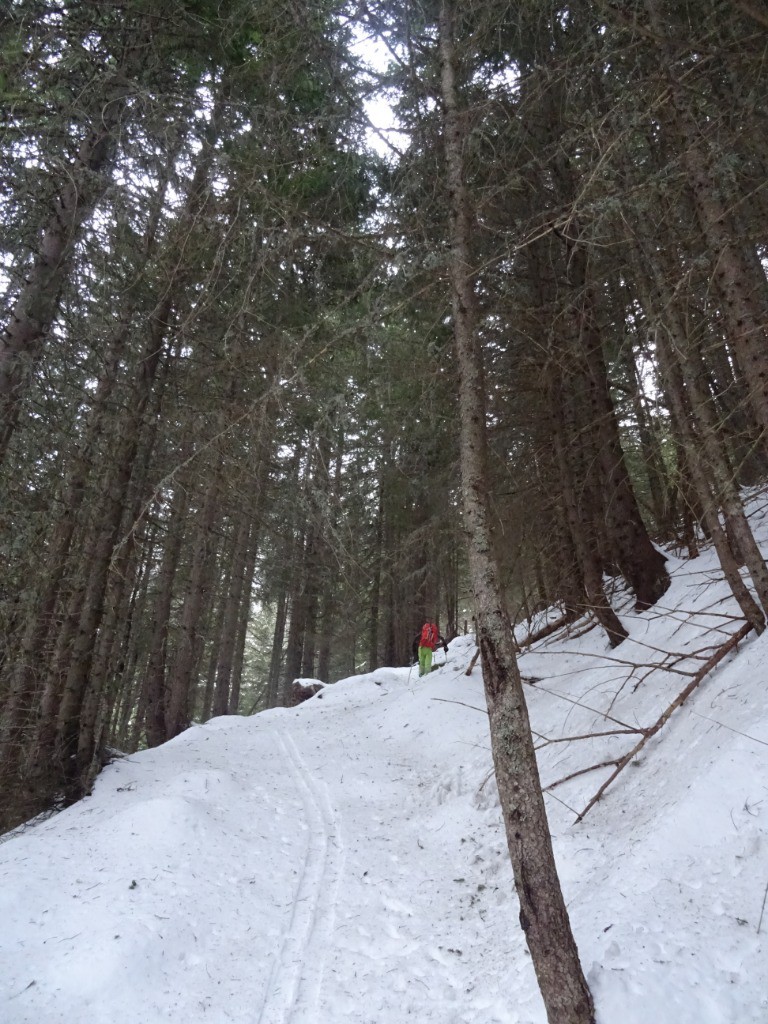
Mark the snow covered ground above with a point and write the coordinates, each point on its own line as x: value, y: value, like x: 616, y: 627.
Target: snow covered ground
x: 345, y: 860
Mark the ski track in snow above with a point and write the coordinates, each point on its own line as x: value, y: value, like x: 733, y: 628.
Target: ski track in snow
x: 344, y: 862
x: 295, y: 979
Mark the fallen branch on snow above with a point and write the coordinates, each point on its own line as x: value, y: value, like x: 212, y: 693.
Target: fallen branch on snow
x: 591, y: 736
x: 681, y: 698
x: 442, y: 700
x: 553, y: 627
x: 587, y: 707
x: 472, y: 663
x: 581, y: 771
x: 762, y: 909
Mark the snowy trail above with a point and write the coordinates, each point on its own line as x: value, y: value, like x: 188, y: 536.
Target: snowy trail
x: 394, y: 947
x: 345, y: 861
x: 295, y: 979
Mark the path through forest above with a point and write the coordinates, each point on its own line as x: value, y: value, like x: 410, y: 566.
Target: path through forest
x: 344, y: 860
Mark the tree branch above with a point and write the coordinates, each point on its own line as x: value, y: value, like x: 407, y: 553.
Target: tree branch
x: 716, y: 658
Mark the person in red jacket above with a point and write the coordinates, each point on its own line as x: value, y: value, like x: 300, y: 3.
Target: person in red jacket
x: 424, y: 645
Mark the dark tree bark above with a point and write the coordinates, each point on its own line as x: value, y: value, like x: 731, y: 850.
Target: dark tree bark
x: 182, y: 673
x: 66, y: 684
x: 154, y: 676
x: 715, y: 489
x: 582, y: 503
x: 33, y: 651
x: 38, y: 630
x: 315, y: 551
x: 649, y: 442
x: 276, y: 660
x: 70, y: 666
x: 296, y: 614
x: 737, y: 275
x: 639, y: 562
x: 245, y: 614
x: 375, y: 600
x: 329, y: 600
x: 23, y: 336
x: 105, y: 673
x: 237, y: 599
x: 543, y: 913
x: 683, y: 418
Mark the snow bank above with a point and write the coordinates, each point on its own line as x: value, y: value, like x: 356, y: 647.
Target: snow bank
x: 345, y: 859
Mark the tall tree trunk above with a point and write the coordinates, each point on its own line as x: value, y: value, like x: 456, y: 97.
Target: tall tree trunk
x: 297, y: 616
x: 738, y: 275
x: 329, y: 599
x: 119, y: 650
x: 102, y: 676
x: 543, y: 914
x: 23, y: 336
x: 71, y: 664
x: 731, y: 399
x: 701, y: 447
x: 375, y: 592
x: 315, y: 550
x: 67, y: 683
x: 682, y: 415
x: 639, y: 562
x: 649, y: 444
x: 742, y: 540
x: 182, y: 675
x: 276, y: 659
x: 227, y: 638
x: 153, y: 687
x: 245, y: 614
x: 33, y: 650
x: 579, y: 489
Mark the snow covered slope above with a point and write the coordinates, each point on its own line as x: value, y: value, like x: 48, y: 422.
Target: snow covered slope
x: 345, y: 860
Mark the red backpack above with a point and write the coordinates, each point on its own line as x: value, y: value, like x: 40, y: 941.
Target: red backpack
x: 428, y: 636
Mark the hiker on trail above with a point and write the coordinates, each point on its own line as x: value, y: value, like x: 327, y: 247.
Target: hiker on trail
x: 424, y: 645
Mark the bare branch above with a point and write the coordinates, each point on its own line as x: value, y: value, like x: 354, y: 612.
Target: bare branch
x: 716, y: 658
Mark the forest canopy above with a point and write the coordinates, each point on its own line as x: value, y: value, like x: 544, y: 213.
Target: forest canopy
x: 230, y: 377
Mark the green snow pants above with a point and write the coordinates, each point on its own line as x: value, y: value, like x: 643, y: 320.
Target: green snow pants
x: 425, y: 661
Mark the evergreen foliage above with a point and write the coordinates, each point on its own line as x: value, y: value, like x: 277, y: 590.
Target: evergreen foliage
x: 228, y: 388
